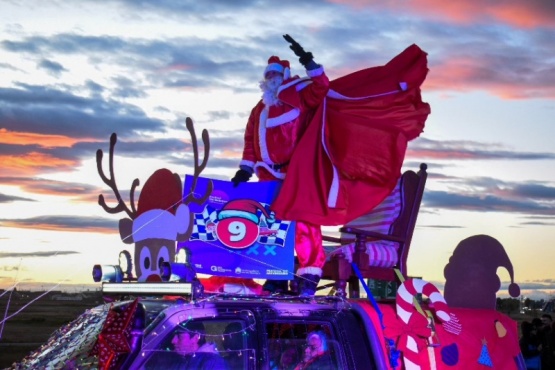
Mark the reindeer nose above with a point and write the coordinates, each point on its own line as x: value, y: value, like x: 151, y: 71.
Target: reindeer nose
x: 154, y: 278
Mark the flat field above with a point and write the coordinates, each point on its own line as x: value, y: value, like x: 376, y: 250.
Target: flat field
x: 29, y: 329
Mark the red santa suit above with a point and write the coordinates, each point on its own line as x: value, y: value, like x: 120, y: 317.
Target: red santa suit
x: 351, y: 153
x: 271, y: 136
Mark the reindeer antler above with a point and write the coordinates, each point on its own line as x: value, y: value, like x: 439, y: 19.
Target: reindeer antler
x: 198, y: 168
x: 111, y: 182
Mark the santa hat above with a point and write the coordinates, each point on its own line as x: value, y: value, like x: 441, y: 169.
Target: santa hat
x: 244, y: 208
x: 160, y: 212
x: 277, y: 65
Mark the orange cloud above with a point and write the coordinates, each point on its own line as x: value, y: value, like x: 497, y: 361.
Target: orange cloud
x: 32, y: 163
x: 467, y: 75
x: 26, y: 138
x: 523, y: 14
x: 226, y: 153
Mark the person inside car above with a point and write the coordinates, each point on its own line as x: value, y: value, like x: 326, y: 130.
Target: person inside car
x: 190, y: 351
x: 316, y: 355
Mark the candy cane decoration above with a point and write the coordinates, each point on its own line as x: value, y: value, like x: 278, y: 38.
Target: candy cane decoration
x: 405, y: 309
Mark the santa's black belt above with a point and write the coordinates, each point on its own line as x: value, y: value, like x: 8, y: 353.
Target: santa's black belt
x: 276, y: 167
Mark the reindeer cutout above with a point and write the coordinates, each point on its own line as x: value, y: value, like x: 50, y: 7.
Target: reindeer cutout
x: 162, y: 217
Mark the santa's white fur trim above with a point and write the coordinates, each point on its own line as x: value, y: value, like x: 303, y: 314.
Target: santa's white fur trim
x: 275, y: 67
x: 282, y: 119
x: 228, y: 213
x: 244, y: 162
x: 310, y: 271
x: 335, y: 95
x: 155, y: 224
x: 302, y: 85
x: 262, y: 136
x: 334, y: 188
x: 315, y: 72
x: 291, y: 83
x: 286, y: 73
x: 274, y: 173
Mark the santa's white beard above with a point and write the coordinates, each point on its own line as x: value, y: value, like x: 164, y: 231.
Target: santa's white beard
x: 269, y: 89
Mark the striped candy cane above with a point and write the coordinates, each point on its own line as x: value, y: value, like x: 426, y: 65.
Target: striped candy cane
x: 405, y: 309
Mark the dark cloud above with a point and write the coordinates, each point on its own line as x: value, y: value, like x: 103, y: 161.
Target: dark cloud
x: 217, y: 115
x: 534, y: 285
x: 9, y: 66
x: 94, y: 88
x: 492, y: 54
x: 483, y: 202
x: 53, y: 68
x: 176, y: 63
x: 65, y: 43
x: 45, y: 186
x: 537, y: 223
x: 127, y: 88
x: 539, y: 191
x: 39, y: 254
x: 51, y: 111
x: 4, y: 198
x: 470, y: 150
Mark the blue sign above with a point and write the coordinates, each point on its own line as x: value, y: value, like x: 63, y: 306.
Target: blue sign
x: 236, y: 234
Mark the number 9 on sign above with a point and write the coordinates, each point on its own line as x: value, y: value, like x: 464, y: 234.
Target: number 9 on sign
x: 237, y: 232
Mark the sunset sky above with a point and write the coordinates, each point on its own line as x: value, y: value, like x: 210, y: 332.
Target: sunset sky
x: 71, y: 73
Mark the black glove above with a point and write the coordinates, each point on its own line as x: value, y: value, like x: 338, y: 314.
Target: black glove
x: 241, y: 176
x: 304, y: 57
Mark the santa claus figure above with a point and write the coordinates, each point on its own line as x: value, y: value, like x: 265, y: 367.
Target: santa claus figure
x: 341, y: 143
x: 274, y: 128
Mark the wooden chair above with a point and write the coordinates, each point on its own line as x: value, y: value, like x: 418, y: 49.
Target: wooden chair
x: 338, y: 268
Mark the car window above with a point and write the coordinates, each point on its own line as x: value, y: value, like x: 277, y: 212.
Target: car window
x: 290, y: 346
x: 204, y: 344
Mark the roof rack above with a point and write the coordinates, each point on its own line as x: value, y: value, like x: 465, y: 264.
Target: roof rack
x: 162, y: 288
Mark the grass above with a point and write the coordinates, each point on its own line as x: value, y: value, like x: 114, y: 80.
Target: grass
x: 29, y: 329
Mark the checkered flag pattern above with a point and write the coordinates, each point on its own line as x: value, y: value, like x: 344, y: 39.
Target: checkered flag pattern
x: 280, y: 228
x: 201, y: 221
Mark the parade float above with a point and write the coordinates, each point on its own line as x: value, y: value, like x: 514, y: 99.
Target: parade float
x: 155, y: 289
x: 200, y: 249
